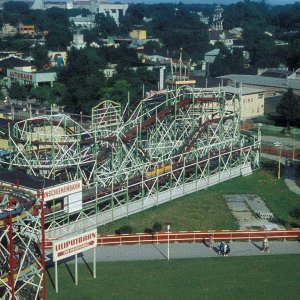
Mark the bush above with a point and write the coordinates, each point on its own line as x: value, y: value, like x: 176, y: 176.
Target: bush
x: 295, y: 213
x: 149, y: 231
x: 295, y: 224
x: 157, y: 226
x: 124, y: 229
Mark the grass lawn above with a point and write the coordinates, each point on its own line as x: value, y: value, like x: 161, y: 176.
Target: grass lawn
x: 206, y: 209
x: 257, y: 277
x: 297, y: 175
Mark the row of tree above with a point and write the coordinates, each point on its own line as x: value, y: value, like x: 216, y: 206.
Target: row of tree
x: 81, y: 84
x: 176, y: 25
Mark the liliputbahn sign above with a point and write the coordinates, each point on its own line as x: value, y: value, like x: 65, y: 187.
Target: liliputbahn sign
x: 74, y: 245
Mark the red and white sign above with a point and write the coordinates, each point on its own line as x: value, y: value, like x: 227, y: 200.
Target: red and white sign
x: 20, y: 75
x: 74, y: 245
x: 63, y: 190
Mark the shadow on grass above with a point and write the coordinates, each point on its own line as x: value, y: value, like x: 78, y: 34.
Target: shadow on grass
x: 70, y: 272
x: 87, y: 265
x: 50, y: 277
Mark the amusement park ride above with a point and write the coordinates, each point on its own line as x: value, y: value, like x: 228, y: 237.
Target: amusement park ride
x: 119, y: 162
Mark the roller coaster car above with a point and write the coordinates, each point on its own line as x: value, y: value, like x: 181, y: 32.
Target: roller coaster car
x: 158, y: 171
x: 4, y: 213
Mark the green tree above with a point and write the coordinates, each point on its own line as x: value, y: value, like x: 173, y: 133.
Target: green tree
x: 49, y: 95
x: 106, y: 25
x: 18, y: 91
x: 118, y: 91
x: 289, y: 107
x: 58, y: 38
x: 40, y: 55
x: 83, y: 80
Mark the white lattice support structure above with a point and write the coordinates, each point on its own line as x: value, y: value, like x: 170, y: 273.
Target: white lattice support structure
x: 163, y: 147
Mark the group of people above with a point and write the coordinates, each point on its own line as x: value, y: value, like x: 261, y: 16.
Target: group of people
x: 224, y: 248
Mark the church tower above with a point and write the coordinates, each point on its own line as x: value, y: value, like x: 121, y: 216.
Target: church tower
x: 218, y: 18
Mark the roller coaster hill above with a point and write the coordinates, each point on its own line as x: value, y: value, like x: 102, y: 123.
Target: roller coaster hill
x: 125, y: 160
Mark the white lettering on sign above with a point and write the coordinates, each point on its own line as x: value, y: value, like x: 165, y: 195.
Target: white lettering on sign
x: 63, y: 190
x: 74, y: 245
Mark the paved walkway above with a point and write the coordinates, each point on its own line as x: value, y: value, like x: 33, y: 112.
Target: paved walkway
x: 186, y: 250
x: 286, y: 141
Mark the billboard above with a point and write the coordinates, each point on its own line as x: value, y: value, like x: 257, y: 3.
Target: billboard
x: 73, y: 202
x: 20, y: 75
x: 62, y: 190
x: 74, y: 245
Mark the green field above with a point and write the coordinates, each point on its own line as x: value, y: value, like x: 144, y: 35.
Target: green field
x: 257, y: 277
x: 206, y: 209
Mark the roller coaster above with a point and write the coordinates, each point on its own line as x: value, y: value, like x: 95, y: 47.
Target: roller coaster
x: 21, y: 263
x: 122, y: 160
x: 129, y: 159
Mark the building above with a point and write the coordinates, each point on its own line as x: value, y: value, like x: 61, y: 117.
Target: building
x: 115, y: 10
x: 271, y: 85
x: 217, y: 23
x: 223, y: 36
x: 34, y: 79
x: 78, y: 42
x: 84, y: 22
x: 210, y: 56
x: 237, y: 32
x: 202, y: 18
x: 252, y: 100
x: 160, y: 56
x: 17, y: 63
x: 57, y: 58
x: 26, y: 29
x: 8, y: 30
x: 140, y: 34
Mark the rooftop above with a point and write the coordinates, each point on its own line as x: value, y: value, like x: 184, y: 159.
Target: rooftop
x: 12, y: 62
x: 25, y: 180
x: 264, y: 81
x: 243, y: 90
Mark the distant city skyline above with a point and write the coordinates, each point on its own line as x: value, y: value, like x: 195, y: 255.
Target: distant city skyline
x: 225, y: 2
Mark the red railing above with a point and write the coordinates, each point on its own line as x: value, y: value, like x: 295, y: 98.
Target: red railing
x: 194, y: 236
x: 284, y: 152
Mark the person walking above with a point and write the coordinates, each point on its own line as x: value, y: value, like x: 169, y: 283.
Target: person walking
x: 265, y: 246
x: 222, y: 248
x: 211, y: 242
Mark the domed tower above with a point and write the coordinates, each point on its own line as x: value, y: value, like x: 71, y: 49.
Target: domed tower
x: 218, y: 18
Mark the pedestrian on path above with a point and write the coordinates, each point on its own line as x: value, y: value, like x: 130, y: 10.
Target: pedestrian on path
x: 211, y: 242
x: 265, y: 246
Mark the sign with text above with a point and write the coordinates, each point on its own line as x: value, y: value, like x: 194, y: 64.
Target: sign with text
x: 62, y: 190
x: 74, y: 245
x: 20, y: 75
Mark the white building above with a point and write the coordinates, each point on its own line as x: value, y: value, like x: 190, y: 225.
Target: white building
x: 84, y: 22
x: 30, y: 78
x: 78, y: 42
x: 115, y: 10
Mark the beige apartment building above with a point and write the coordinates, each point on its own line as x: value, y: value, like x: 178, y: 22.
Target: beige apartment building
x: 252, y: 100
